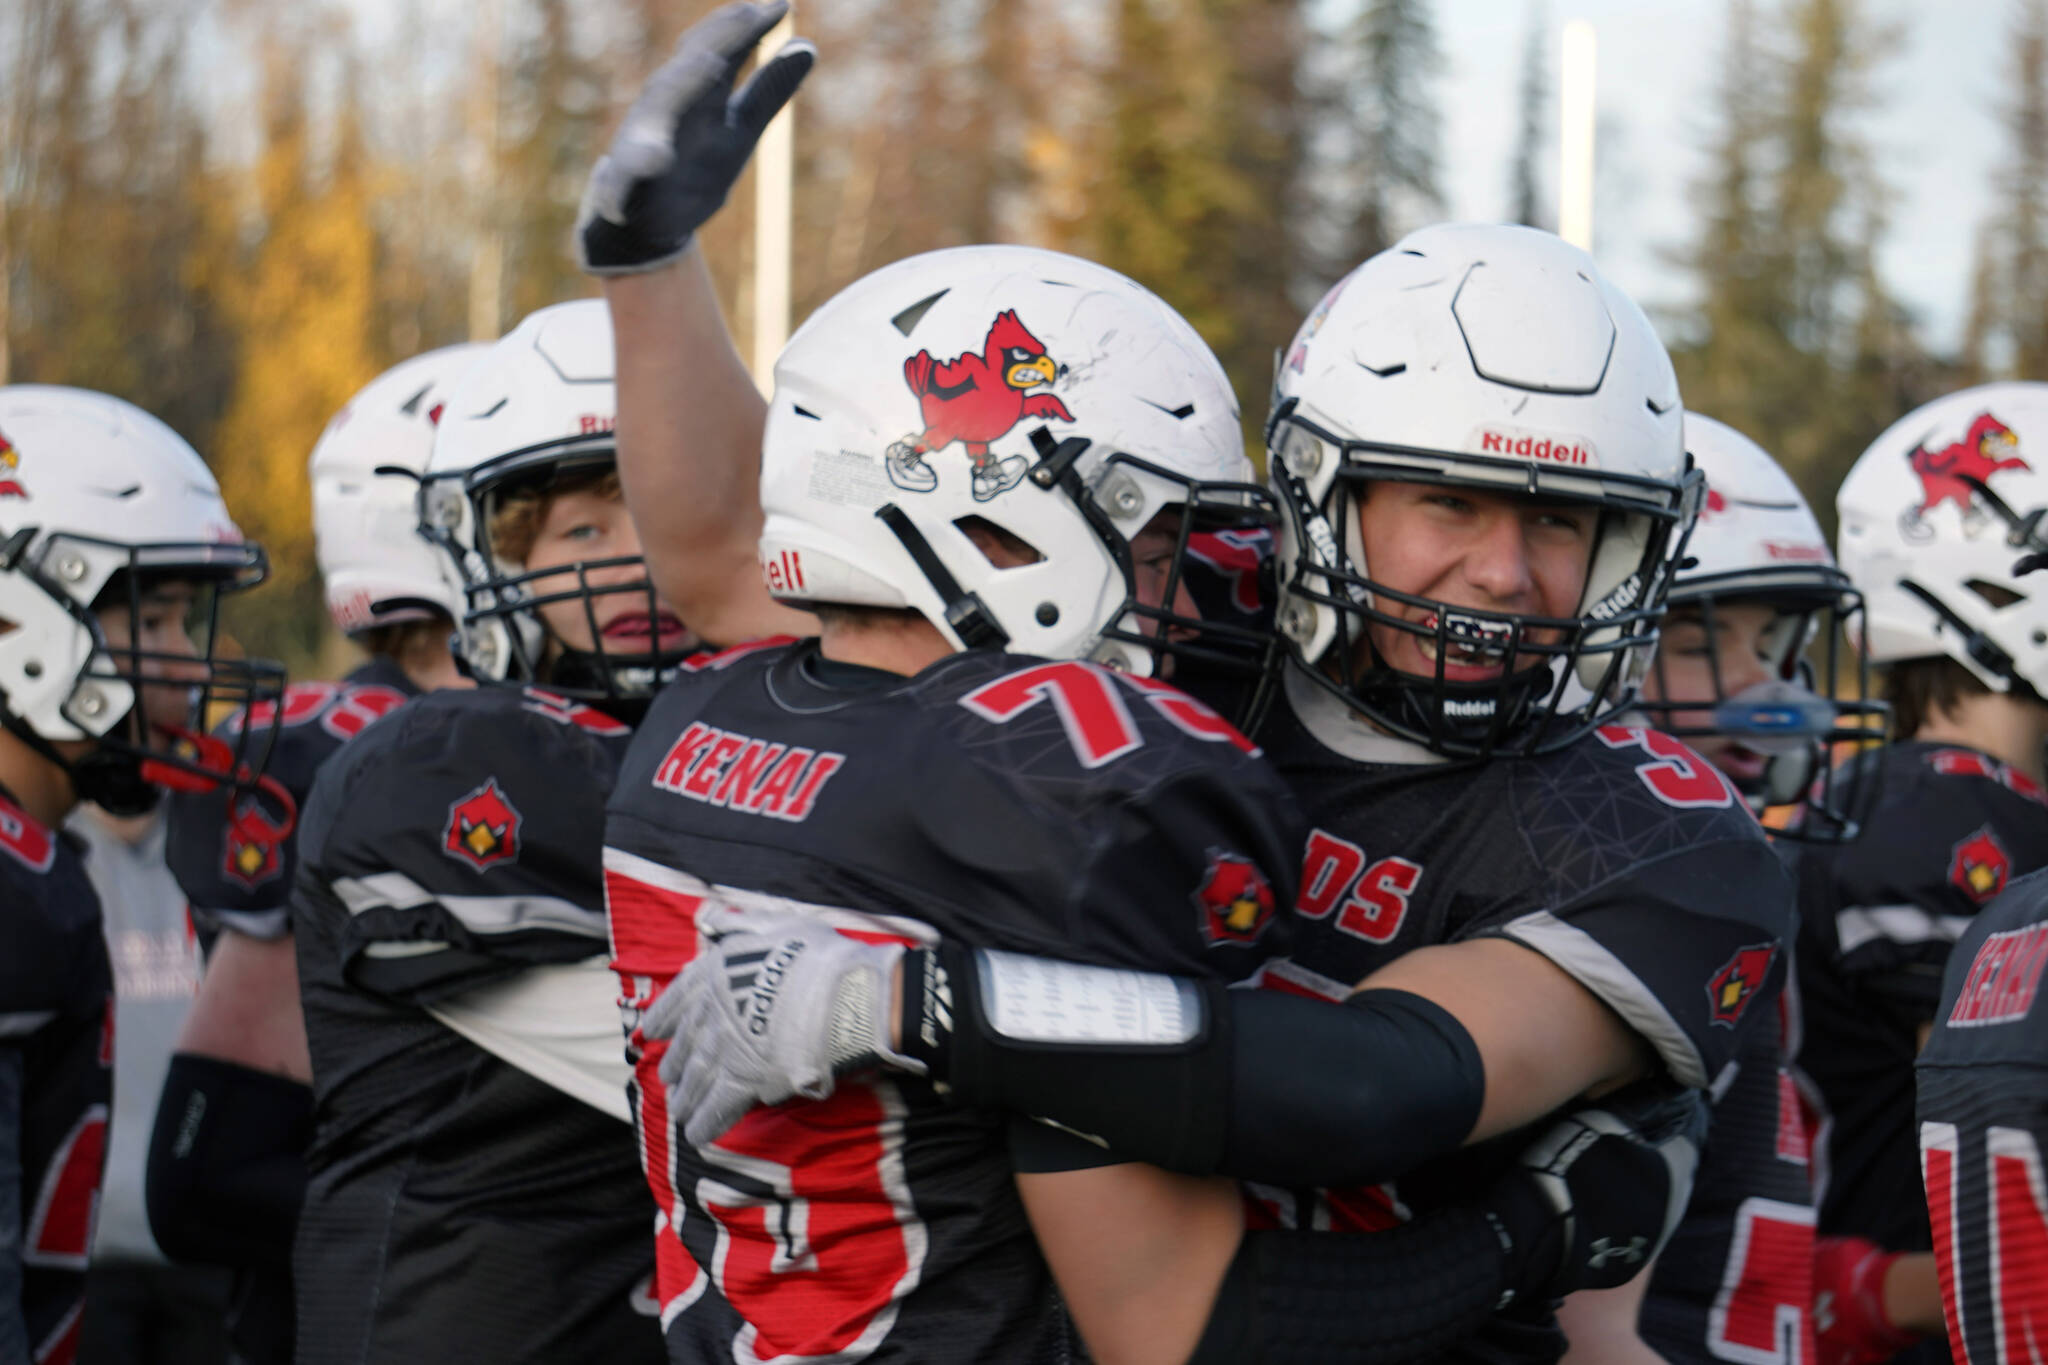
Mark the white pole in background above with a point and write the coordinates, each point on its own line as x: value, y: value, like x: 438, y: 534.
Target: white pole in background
x: 774, y: 170
x: 1577, y: 85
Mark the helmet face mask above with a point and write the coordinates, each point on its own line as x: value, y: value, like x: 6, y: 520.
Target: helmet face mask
x: 1495, y: 360
x: 531, y: 421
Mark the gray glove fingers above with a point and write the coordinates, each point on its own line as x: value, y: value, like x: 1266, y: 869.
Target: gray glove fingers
x: 706, y: 61
x: 769, y: 88
x: 663, y: 1015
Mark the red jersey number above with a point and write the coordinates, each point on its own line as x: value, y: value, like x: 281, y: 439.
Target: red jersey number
x: 1763, y: 1314
x: 2011, y: 1254
x: 1678, y: 776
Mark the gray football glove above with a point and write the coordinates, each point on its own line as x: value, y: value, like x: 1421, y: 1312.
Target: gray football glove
x: 685, y: 141
x: 768, y: 1013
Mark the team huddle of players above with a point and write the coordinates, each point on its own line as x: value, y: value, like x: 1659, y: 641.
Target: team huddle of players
x: 1061, y: 896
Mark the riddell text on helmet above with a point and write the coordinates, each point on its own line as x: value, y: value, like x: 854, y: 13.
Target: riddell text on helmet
x: 1529, y: 446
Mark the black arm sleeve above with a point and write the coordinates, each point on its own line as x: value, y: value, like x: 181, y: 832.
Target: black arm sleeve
x: 227, y: 1162
x: 1273, y: 1087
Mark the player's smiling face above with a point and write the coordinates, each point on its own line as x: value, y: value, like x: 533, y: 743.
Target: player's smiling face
x: 1742, y: 646
x: 1470, y: 549
x: 580, y: 525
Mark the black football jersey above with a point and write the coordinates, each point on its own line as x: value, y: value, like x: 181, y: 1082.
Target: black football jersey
x: 1878, y: 919
x: 1983, y: 1081
x: 458, y: 1207
x: 1052, y: 808
x: 56, y: 1051
x: 234, y: 877
x: 1625, y: 859
x: 1735, y: 1282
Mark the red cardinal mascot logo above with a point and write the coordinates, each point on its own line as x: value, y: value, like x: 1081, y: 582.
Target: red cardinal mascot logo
x: 483, y: 828
x: 976, y: 399
x: 1989, y: 447
x: 10, y: 460
x: 1731, y: 989
x: 1235, y: 899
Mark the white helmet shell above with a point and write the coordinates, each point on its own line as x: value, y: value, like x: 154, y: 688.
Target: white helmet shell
x: 934, y: 391
x: 83, y: 478
x: 377, y: 568
x: 1495, y: 357
x: 540, y: 396
x: 1754, y: 521
x: 1932, y: 555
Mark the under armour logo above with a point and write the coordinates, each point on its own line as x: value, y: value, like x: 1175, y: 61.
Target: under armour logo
x: 1605, y: 1250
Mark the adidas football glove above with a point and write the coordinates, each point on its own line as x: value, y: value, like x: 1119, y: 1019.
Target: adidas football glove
x: 685, y: 141
x: 770, y: 1012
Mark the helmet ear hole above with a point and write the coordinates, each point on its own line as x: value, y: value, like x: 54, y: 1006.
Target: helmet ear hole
x: 1997, y: 595
x: 1001, y: 548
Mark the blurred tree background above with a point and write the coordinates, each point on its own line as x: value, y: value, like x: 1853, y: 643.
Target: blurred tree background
x: 235, y: 213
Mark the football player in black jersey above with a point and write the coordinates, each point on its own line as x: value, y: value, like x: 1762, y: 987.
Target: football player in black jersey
x: 473, y: 1191
x: 1928, y: 533
x: 106, y: 664
x: 227, y: 1160
x: 648, y: 302
x: 1755, y: 670
x: 1983, y: 1091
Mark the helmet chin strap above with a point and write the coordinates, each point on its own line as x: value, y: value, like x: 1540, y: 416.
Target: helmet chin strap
x: 109, y: 777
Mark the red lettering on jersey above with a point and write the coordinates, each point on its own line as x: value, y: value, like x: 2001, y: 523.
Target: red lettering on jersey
x: 1191, y: 717
x: 1794, y: 1143
x: 1375, y: 911
x: 1097, y: 724
x: 1969, y: 763
x: 483, y: 828
x: 1678, y: 776
x: 356, y: 707
x: 1938, y: 1174
x: 1235, y: 900
x: 1979, y: 865
x: 2004, y: 978
x: 1730, y: 990
x: 59, y: 1233
x: 25, y: 839
x: 2019, y: 1242
x: 1327, y: 870
x: 1764, y: 1310
x: 302, y: 702
x: 707, y: 771
x: 60, y: 1346
x: 720, y: 768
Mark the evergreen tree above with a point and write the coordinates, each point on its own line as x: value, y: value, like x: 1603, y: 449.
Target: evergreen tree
x: 1525, y: 175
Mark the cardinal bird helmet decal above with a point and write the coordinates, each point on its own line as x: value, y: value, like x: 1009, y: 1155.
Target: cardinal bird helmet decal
x: 1946, y: 475
x: 975, y: 400
x: 10, y: 461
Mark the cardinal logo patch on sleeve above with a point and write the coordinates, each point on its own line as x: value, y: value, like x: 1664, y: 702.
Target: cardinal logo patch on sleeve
x: 1979, y: 866
x: 483, y: 828
x: 248, y: 860
x: 1730, y: 990
x: 1235, y: 899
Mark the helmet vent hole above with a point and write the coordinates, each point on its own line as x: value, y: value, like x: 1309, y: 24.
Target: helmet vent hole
x: 1398, y: 367
x: 1997, y: 594
x: 803, y: 411
x: 907, y: 320
x: 1001, y: 548
x: 492, y: 410
x: 411, y: 406
x: 33, y: 668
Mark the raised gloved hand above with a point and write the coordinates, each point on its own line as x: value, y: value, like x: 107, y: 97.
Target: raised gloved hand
x: 768, y: 1012
x: 685, y: 141
x: 1850, y: 1326
x: 1596, y: 1195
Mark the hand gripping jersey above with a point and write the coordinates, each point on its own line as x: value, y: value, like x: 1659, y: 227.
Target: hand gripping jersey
x: 234, y: 878
x: 1625, y: 859
x: 1735, y: 1282
x: 1878, y: 919
x: 469, y: 1199
x: 1053, y: 808
x: 1983, y: 1081
x: 56, y: 1047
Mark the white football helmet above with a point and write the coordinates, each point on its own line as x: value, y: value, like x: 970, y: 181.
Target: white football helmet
x: 1756, y: 543
x: 97, y: 501
x: 1495, y: 358
x: 1018, y: 388
x: 537, y: 407
x: 378, y: 569
x: 1934, y: 515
